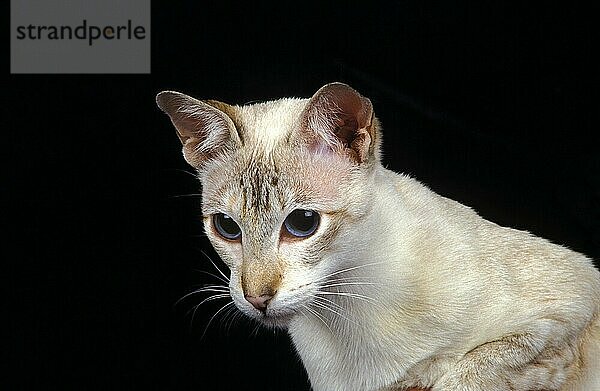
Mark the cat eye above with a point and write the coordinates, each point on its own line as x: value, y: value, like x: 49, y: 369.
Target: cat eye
x: 301, y: 223
x: 226, y: 227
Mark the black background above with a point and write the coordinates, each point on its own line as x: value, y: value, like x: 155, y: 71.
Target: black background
x: 490, y: 104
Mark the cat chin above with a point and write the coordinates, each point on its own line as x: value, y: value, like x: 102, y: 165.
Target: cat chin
x: 272, y: 319
x: 276, y: 322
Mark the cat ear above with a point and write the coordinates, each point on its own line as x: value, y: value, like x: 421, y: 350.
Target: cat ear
x: 203, y: 127
x: 339, y: 119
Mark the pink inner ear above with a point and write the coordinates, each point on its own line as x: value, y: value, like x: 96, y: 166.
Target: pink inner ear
x: 339, y: 119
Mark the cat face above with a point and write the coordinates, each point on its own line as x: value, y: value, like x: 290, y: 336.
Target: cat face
x: 280, y: 183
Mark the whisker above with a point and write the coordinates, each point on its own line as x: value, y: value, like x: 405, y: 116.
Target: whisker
x: 316, y: 314
x: 348, y: 270
x: 213, y: 317
x: 254, y: 332
x: 185, y: 172
x: 349, y: 283
x: 349, y: 294
x: 212, y: 275
x: 324, y: 306
x: 353, y: 278
x: 227, y: 316
x: 303, y: 313
x: 214, y: 288
x: 215, y: 265
x: 324, y: 299
x: 235, y: 316
x: 195, y: 308
x: 210, y: 298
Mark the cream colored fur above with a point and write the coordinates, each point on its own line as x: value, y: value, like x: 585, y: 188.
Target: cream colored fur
x: 398, y: 286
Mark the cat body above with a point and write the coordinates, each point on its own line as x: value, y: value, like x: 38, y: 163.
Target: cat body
x: 381, y: 283
x: 487, y: 285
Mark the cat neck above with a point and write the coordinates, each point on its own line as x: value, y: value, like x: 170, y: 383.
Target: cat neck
x: 360, y: 327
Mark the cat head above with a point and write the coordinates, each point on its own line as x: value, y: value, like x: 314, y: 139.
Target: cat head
x: 284, y: 186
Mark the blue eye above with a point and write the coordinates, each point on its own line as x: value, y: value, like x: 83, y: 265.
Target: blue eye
x: 301, y: 223
x: 226, y: 227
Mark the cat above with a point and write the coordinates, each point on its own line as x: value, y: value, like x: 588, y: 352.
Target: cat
x: 381, y: 283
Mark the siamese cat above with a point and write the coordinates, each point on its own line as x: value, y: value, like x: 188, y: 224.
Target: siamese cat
x: 381, y: 283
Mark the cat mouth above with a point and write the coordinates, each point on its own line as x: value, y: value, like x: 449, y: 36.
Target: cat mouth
x: 275, y: 317
x: 276, y: 312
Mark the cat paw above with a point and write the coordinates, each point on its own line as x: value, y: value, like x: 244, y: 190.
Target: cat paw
x: 454, y: 382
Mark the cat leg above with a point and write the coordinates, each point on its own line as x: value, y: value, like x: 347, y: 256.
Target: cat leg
x: 499, y: 365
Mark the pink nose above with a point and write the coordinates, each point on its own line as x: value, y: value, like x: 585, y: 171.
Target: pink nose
x: 260, y: 302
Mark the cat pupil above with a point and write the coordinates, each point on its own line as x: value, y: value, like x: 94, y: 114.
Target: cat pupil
x: 226, y: 227
x: 301, y: 222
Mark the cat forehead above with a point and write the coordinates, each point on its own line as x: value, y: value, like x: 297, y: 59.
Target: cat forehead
x: 269, y: 170
x: 259, y: 174
x: 249, y: 182
x: 265, y: 125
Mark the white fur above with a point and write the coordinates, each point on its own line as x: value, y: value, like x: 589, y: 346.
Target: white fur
x: 450, y: 282
x: 399, y: 287
x: 269, y: 121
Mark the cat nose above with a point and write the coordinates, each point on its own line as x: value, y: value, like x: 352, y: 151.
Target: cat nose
x: 260, y: 302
